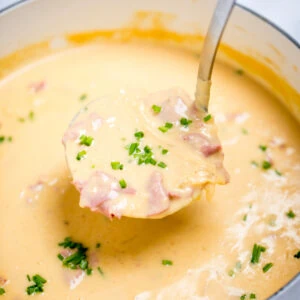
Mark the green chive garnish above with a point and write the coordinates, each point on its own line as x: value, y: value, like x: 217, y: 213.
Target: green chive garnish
x: 166, y: 127
x: 167, y: 262
x: 156, y: 108
x: 86, y: 140
x: 185, y: 122
x: 2, y: 291
x: 139, y: 135
x: 116, y: 165
x: 263, y: 148
x: 207, y: 118
x: 162, y: 165
x: 164, y: 151
x: 297, y: 255
x: 83, y: 97
x: 266, y: 165
x: 123, y: 183
x: 290, y: 214
x: 267, y: 267
x: 256, y: 252
x: 81, y: 155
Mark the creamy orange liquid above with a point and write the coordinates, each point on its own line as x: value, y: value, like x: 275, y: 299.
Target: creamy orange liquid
x: 209, y: 243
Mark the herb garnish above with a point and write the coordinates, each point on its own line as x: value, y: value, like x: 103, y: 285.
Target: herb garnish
x: 185, y: 122
x: 81, y: 155
x: 123, y: 183
x: 252, y: 296
x: 116, y: 165
x: 167, y: 262
x: 267, y: 267
x: 245, y: 217
x: 2, y: 291
x: 164, y: 151
x: 162, y: 165
x: 239, y: 72
x: 207, y: 118
x: 3, y: 138
x: 277, y: 172
x: 266, y: 165
x: 139, y: 135
x: 156, y: 108
x: 31, y: 115
x: 290, y: 214
x: 38, y: 286
x: 297, y: 255
x: 256, y: 252
x: 245, y: 131
x: 243, y: 297
x: 78, y: 259
x: 83, y: 97
x: 263, y: 148
x: 86, y: 140
x: 98, y: 245
x: 254, y: 163
x: 166, y: 127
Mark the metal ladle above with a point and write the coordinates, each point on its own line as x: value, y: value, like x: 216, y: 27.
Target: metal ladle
x: 209, y: 50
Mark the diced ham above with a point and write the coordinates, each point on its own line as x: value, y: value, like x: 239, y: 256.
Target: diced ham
x: 98, y: 191
x: 158, y: 197
x: 202, y: 143
x: 37, y: 86
x: 173, y: 109
x: 73, y: 277
x: 92, y: 122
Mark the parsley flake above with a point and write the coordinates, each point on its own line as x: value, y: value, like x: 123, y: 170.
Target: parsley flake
x: 252, y: 296
x: 266, y: 165
x: 164, y: 151
x: 263, y: 148
x: 2, y: 291
x: 290, y: 214
x: 162, y: 165
x: 139, y: 135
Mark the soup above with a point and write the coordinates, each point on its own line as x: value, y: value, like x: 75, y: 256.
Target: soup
x: 242, y: 244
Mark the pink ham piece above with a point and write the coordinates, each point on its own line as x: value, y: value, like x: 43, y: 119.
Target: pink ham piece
x: 158, y: 197
x: 37, y: 86
x: 202, y: 143
x: 93, y: 121
x: 98, y: 192
x: 173, y: 109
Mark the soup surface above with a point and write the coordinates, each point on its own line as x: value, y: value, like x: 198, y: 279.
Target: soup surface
x: 244, y: 242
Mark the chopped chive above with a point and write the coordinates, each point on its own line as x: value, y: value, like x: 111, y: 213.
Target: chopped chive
x: 86, y: 140
x: 139, y: 135
x: 100, y: 271
x: 185, y: 122
x: 156, y: 108
x: 38, y: 286
x: 83, y: 97
x: 267, y: 267
x: 123, y: 183
x: 243, y: 297
x: 290, y: 214
x: 89, y: 271
x: 245, y: 131
x: 28, y: 277
x: 167, y: 262
x: 10, y: 138
x: 256, y: 252
x: 239, y: 72
x: 207, y: 118
x: 81, y: 155
x: 266, y: 165
x: 162, y: 165
x: 2, y: 291
x: 263, y: 148
x: 93, y: 166
x: 116, y: 165
x: 2, y: 139
x: 98, y: 245
x: 297, y: 255
x: 245, y: 217
x: 164, y: 151
x: 60, y: 257
x: 132, y: 148
x: 277, y: 172
x: 252, y: 296
x: 231, y: 273
x: 166, y: 127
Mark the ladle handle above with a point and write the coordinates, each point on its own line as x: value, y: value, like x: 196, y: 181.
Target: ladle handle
x: 209, y: 50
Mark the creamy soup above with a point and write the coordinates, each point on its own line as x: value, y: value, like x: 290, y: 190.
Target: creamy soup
x: 242, y: 244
